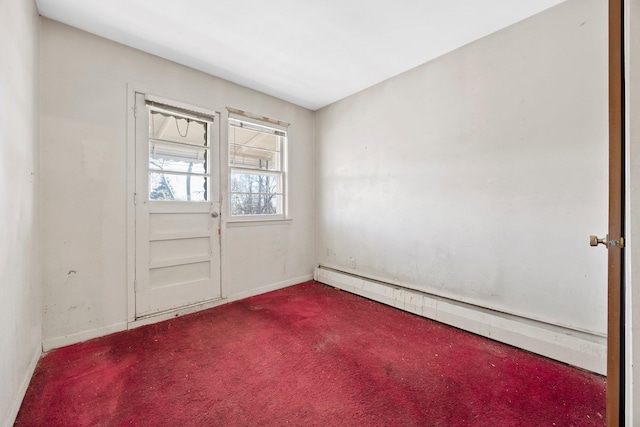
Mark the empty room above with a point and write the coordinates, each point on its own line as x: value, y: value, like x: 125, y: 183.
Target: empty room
x: 331, y: 213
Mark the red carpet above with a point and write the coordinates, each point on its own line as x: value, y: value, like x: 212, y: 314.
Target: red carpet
x: 306, y: 355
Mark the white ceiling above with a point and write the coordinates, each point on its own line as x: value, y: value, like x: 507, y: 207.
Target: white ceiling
x: 311, y: 53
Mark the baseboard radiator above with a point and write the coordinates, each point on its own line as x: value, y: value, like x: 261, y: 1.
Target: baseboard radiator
x: 580, y: 349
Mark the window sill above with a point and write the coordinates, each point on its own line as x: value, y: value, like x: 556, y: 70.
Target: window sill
x: 257, y: 222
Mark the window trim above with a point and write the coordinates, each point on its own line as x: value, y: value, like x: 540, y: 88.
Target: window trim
x: 280, y: 129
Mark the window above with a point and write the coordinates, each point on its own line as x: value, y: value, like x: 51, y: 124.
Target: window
x: 257, y: 169
x: 178, y: 156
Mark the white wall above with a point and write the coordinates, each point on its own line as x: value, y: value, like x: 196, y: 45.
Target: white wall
x: 84, y: 181
x: 20, y: 280
x: 479, y: 176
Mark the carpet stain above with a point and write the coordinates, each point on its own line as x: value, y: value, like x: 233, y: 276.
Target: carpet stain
x: 327, y: 341
x: 390, y: 370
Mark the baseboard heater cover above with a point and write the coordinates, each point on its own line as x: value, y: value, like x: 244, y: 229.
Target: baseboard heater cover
x: 580, y: 349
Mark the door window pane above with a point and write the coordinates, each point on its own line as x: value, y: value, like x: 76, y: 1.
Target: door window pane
x: 172, y: 187
x: 166, y: 156
x: 168, y: 127
x: 178, y: 157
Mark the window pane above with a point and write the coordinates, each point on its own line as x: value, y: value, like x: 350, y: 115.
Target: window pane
x: 253, y: 138
x: 253, y: 183
x: 166, y: 186
x: 256, y: 173
x: 254, y: 149
x: 177, y: 157
x: 256, y: 204
x: 175, y: 128
x: 241, y: 155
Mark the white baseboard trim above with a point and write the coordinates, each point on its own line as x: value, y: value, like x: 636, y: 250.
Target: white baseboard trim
x: 19, y: 397
x: 170, y: 314
x: 581, y: 349
x: 269, y: 288
x: 52, y: 343
x: 210, y: 304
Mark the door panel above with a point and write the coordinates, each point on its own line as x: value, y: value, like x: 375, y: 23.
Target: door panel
x: 177, y: 199
x: 187, y: 247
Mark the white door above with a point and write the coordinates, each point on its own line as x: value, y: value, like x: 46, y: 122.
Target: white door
x: 177, y: 206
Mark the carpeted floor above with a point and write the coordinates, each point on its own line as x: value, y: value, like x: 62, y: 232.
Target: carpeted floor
x: 306, y: 355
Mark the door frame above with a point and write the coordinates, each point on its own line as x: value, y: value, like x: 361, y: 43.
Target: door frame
x: 132, y: 322
x: 615, y: 254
